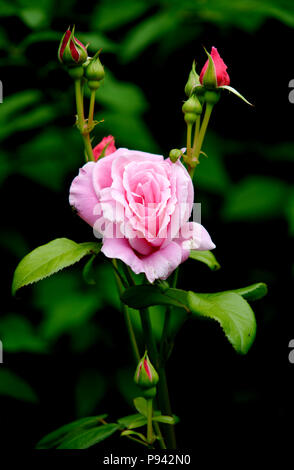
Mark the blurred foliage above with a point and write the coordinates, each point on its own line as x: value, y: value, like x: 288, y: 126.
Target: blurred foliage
x: 148, y: 47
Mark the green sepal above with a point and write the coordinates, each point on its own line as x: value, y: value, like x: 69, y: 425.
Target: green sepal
x: 209, y: 79
x: 230, y: 88
x: 193, y: 80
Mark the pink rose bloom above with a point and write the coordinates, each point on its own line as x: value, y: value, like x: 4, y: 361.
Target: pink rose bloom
x: 222, y: 76
x: 141, y: 204
x: 107, y: 142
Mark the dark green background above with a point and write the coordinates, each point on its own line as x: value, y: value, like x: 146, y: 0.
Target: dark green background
x: 66, y: 351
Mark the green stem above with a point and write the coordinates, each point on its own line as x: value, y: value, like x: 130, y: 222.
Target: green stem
x: 159, y: 434
x: 91, y: 108
x: 196, y: 151
x: 165, y: 408
x: 189, y: 140
x: 196, y: 135
x: 149, y: 421
x: 83, y: 128
x: 127, y: 315
x: 149, y: 338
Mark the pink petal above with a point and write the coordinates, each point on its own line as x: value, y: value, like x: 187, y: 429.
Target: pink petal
x: 82, y: 195
x: 195, y: 237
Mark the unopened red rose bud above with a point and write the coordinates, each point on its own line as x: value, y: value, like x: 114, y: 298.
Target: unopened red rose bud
x: 71, y: 51
x: 104, y: 148
x: 214, y: 72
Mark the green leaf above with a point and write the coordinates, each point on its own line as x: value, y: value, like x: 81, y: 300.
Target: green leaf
x: 141, y: 405
x: 138, y: 423
x: 255, y: 198
x: 205, y: 257
x: 88, y: 438
x: 134, y: 433
x: 232, y: 312
x: 88, y: 272
x: 55, y: 437
x: 229, y: 88
x: 147, y: 295
x: 166, y: 419
x: 127, y: 420
x: 49, y: 259
x: 252, y: 292
x: 14, y: 386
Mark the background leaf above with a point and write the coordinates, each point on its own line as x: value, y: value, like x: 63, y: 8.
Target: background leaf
x: 14, y: 386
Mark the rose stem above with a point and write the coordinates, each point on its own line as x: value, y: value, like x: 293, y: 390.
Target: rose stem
x: 91, y: 108
x: 189, y: 139
x: 127, y: 315
x: 196, y: 135
x: 149, y: 421
x: 208, y: 110
x: 81, y: 120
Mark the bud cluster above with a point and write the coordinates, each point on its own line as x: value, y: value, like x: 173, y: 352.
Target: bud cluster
x: 73, y: 54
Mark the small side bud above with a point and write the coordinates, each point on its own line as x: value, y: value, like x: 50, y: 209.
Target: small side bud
x: 192, y: 105
x: 146, y: 377
x: 104, y: 148
x: 193, y: 81
x: 94, y: 72
x: 174, y: 155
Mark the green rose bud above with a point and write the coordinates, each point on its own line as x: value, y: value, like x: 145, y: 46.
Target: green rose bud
x: 192, y: 105
x: 193, y: 81
x: 174, y: 155
x: 94, y: 72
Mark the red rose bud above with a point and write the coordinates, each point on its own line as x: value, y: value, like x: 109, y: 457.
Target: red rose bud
x: 71, y: 51
x: 146, y: 376
x: 104, y: 148
x: 214, y: 73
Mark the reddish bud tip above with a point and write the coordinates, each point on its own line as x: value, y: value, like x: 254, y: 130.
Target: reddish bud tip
x: 104, y: 148
x: 222, y: 76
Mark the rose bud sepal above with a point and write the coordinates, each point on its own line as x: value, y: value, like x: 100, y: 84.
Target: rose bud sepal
x: 193, y: 84
x: 208, y: 78
x: 231, y: 89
